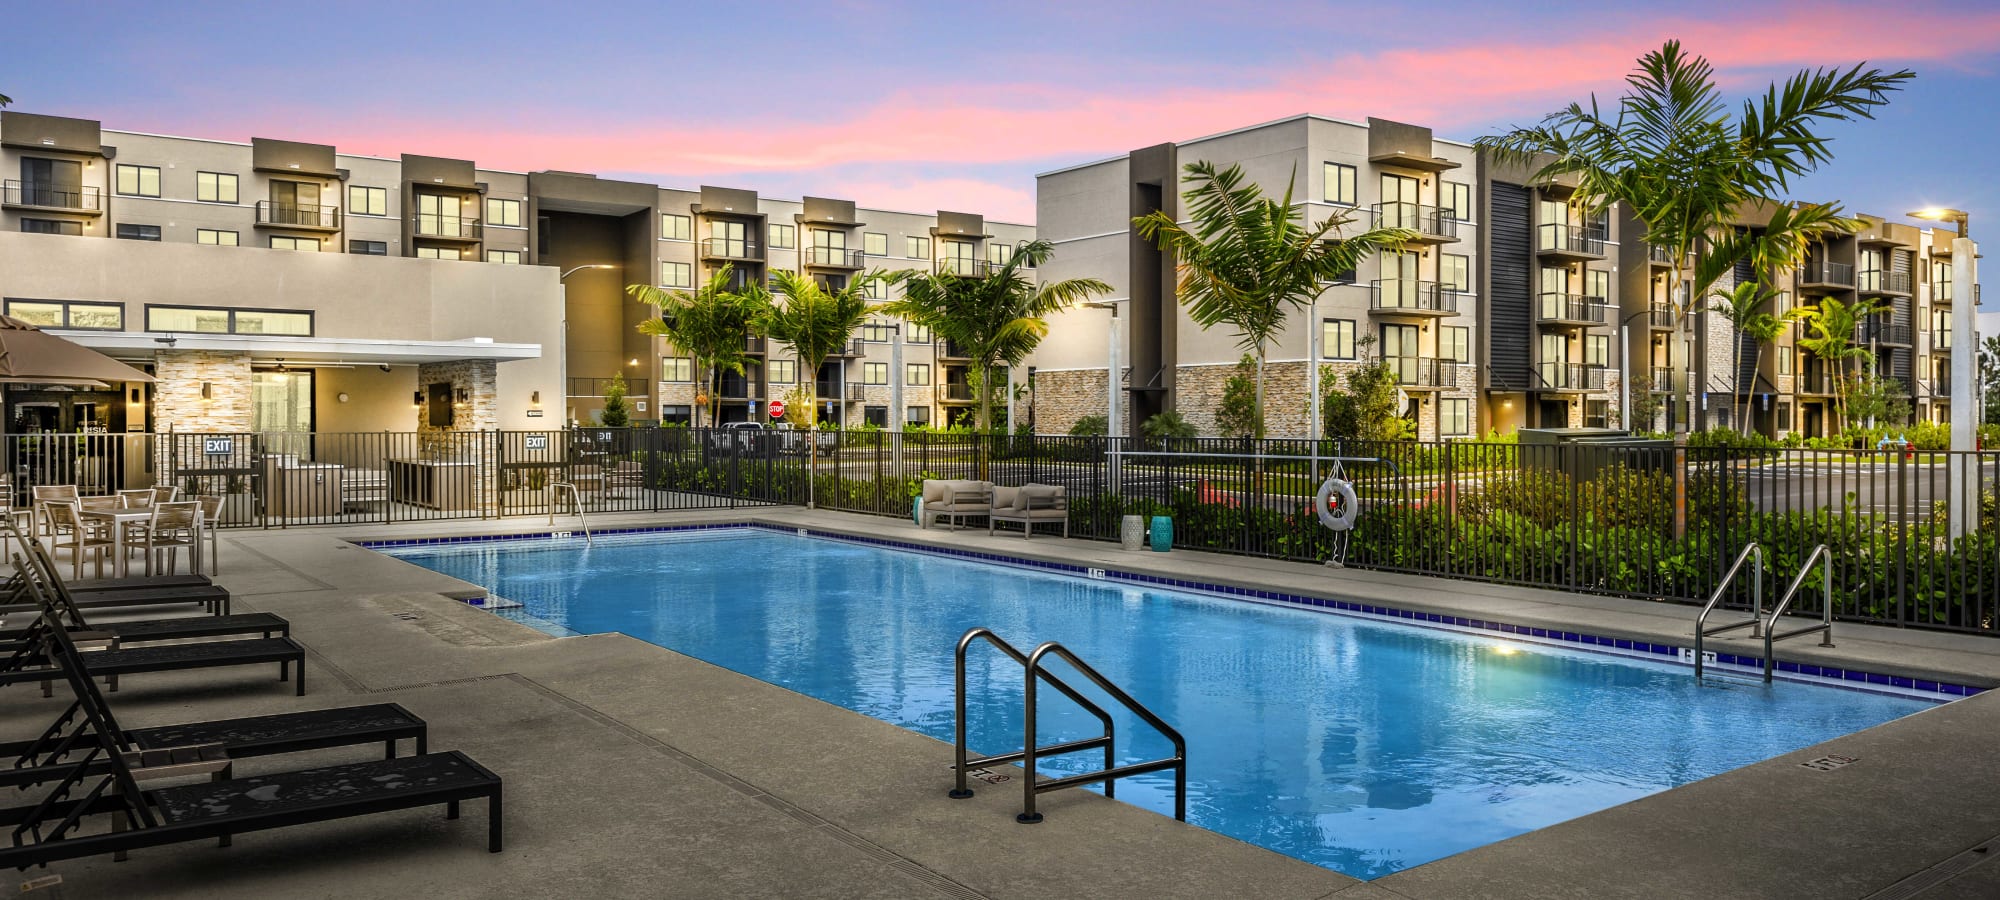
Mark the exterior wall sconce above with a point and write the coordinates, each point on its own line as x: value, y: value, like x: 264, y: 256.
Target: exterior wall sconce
x: 417, y: 400
x: 535, y: 398
x: 207, y: 391
x: 464, y: 396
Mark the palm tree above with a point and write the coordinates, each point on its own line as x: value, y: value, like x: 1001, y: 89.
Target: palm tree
x: 1744, y: 306
x: 1250, y: 261
x: 1683, y: 166
x: 1832, y: 340
x: 995, y: 318
x: 1782, y: 246
x: 815, y: 322
x: 711, y: 324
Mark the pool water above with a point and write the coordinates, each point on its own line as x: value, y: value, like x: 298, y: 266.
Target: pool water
x: 1359, y: 745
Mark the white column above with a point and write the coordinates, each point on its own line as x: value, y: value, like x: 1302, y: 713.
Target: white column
x: 1963, y: 505
x: 896, y: 411
x: 1113, y: 398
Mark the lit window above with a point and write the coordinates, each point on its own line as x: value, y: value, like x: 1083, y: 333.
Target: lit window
x: 874, y: 373
x: 782, y: 371
x: 676, y: 274
x: 1340, y: 181
x: 1455, y: 272
x: 439, y: 253
x: 1454, y: 416
x: 214, y: 187
x: 503, y: 212
x: 917, y: 247
x: 1597, y: 350
x: 368, y: 201
x: 1457, y: 200
x: 1454, y: 343
x: 60, y: 314
x: 676, y: 368
x: 997, y: 252
x: 216, y: 238
x: 918, y: 334
x: 139, y: 181
x: 874, y: 244
x: 504, y: 257
x: 917, y: 374
x: 205, y: 320
x: 1337, y: 338
x: 783, y: 236
x: 309, y: 245
x: 676, y: 228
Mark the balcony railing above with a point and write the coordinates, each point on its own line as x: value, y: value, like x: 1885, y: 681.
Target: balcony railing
x: 1421, y: 371
x: 731, y: 248
x: 972, y: 268
x: 462, y: 228
x: 1426, y: 221
x: 1881, y: 333
x: 1817, y: 272
x: 1941, y: 341
x: 1662, y: 316
x: 1663, y: 379
x: 1941, y: 387
x: 856, y: 390
x: 952, y: 350
x: 1820, y: 383
x: 1877, y: 281
x: 1555, y: 237
x: 753, y: 344
x: 1567, y: 376
x: 1660, y: 255
x: 75, y: 198
x: 288, y: 215
x: 1570, y: 309
x: 1406, y: 296
x: 958, y: 391
x: 740, y: 389
x: 832, y: 257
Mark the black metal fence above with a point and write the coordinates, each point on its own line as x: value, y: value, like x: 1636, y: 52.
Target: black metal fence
x: 1650, y: 521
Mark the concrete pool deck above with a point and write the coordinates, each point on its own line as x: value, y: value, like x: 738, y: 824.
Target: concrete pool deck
x: 635, y: 771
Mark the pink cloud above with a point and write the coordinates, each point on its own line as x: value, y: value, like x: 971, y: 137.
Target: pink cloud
x: 1468, y: 86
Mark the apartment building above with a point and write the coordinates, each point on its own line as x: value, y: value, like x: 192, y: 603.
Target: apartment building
x: 1497, y: 314
x: 281, y: 285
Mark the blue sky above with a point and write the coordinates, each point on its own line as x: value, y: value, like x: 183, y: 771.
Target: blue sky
x: 956, y: 106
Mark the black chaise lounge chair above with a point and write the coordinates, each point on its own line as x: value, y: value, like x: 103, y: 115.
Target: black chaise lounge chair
x: 180, y: 628
x: 106, y: 781
x: 28, y: 658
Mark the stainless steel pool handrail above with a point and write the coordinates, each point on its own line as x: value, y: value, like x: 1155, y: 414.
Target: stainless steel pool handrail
x: 1824, y: 557
x: 1030, y: 786
x: 965, y: 763
x: 1701, y: 629
x: 576, y: 503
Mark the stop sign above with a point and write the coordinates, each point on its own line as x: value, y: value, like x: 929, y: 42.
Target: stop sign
x: 777, y: 409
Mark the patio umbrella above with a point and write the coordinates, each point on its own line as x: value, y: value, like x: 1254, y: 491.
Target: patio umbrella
x: 29, y: 355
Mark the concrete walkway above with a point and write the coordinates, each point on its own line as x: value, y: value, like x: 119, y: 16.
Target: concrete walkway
x: 635, y: 771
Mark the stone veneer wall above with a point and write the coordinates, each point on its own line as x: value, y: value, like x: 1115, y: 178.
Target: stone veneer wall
x: 177, y: 400
x: 1063, y: 397
x: 462, y: 442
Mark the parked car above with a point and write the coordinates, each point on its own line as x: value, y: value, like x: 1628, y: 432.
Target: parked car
x: 792, y: 439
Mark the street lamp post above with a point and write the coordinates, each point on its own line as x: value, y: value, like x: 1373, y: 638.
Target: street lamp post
x: 1625, y: 368
x: 1962, y: 505
x: 1112, y: 397
x: 562, y: 357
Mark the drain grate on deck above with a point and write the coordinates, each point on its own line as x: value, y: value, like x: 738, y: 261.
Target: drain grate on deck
x: 1937, y: 875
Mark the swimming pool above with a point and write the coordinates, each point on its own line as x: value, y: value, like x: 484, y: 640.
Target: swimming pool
x: 1360, y: 745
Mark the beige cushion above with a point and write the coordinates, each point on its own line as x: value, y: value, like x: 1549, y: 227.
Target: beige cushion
x: 1041, y: 496
x: 1004, y: 498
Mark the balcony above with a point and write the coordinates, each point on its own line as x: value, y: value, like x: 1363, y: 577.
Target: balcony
x: 301, y: 218
x: 1877, y: 281
x: 1569, y: 310
x: 731, y: 249
x: 1663, y: 379
x: 952, y: 350
x: 1660, y: 256
x: 1882, y: 333
x: 1573, y: 243
x: 970, y: 268
x: 1941, y: 387
x: 1816, y: 384
x: 1569, y: 377
x: 67, y: 198
x: 1432, y: 225
x: 447, y: 228
x: 831, y: 258
x: 1421, y: 372
x: 1826, y: 274
x: 955, y: 392
x: 753, y: 344
x: 1662, y: 318
x: 1940, y: 341
x: 1940, y: 293
x: 736, y: 388
x: 1403, y: 297
x: 856, y: 392
x: 851, y: 349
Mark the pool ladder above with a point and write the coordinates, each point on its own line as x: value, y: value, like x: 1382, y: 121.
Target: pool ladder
x: 1758, y: 621
x: 1036, y: 672
x: 556, y: 489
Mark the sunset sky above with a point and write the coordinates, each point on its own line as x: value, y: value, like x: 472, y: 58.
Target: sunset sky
x: 922, y: 106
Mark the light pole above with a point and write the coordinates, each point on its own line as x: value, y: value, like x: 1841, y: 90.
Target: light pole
x: 1625, y: 367
x: 1111, y: 392
x: 562, y: 358
x: 1965, y: 337
x: 897, y: 415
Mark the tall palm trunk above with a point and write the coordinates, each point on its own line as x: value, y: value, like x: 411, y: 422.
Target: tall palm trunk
x: 1749, y: 397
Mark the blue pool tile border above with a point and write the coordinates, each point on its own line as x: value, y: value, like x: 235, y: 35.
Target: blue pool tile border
x: 1670, y: 651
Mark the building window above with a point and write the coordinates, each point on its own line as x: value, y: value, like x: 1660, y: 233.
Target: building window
x: 876, y: 331
x: 997, y: 253
x: 1784, y: 415
x: 309, y: 245
x: 503, y: 212
x: 1781, y: 304
x: 206, y: 320
x: 128, y: 232
x: 1456, y: 199
x: 917, y: 247
x: 1454, y: 416
x: 876, y: 289
x: 368, y: 248
x: 677, y: 274
x: 782, y: 371
x: 1597, y: 285
x: 784, y: 237
x: 139, y: 181
x: 877, y: 416
x: 874, y: 373
x: 676, y: 227
x: 440, y: 253
x: 1455, y: 272
x: 504, y: 257
x: 917, y: 374
x: 1340, y: 185
x: 1784, y: 363
x: 368, y: 201
x: 216, y: 238
x: 51, y: 226
x: 1337, y: 338
x: 214, y: 187
x: 918, y: 415
x: 66, y: 314
x: 676, y: 368
x: 874, y: 243
x: 1597, y: 350
x: 918, y: 334
x: 1596, y: 413
x: 1455, y: 343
